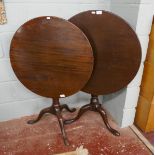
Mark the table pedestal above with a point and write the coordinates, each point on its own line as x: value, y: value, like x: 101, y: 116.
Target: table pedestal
x: 96, y: 107
x: 55, y: 109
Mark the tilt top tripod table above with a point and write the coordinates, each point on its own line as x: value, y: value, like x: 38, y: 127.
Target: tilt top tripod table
x: 53, y: 58
x: 117, y: 57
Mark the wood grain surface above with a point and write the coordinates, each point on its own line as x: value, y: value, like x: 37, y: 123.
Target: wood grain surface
x: 117, y: 51
x: 51, y: 57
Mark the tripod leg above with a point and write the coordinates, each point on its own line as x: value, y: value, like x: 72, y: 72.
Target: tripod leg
x: 61, y: 123
x: 65, y: 106
x: 80, y: 113
x: 105, y: 119
x: 46, y: 110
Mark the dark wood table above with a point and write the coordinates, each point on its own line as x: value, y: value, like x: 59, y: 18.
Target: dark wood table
x: 117, y: 54
x: 53, y: 58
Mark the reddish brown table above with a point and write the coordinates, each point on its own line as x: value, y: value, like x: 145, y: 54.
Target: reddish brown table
x: 53, y: 58
x: 117, y: 54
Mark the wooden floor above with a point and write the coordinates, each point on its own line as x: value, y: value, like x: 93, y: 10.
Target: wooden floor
x: 149, y: 136
x: 44, y: 137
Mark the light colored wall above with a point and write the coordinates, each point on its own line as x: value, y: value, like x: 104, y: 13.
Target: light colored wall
x: 17, y: 101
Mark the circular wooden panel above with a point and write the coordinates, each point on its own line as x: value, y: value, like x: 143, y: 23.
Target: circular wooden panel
x: 116, y: 48
x: 51, y: 57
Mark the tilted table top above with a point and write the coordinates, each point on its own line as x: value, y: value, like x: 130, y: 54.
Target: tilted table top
x: 51, y: 57
x: 117, y: 51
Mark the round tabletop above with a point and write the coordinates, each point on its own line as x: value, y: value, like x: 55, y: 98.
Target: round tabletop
x: 51, y: 57
x: 116, y: 48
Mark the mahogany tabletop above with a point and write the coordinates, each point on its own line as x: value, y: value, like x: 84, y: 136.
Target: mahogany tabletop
x: 51, y: 57
x: 117, y: 51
